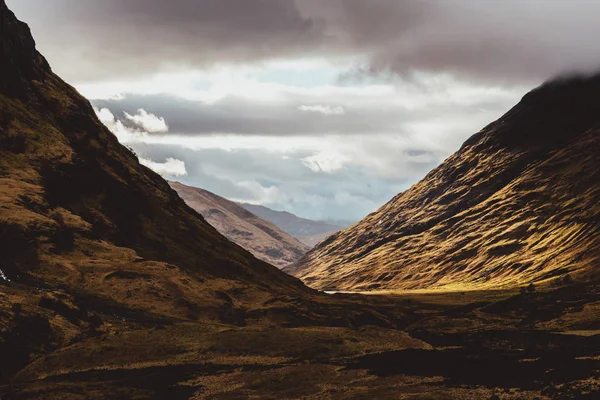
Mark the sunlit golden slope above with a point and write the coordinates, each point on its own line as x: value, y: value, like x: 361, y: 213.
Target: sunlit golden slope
x: 519, y: 202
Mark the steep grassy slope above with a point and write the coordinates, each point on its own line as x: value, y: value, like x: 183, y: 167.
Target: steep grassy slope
x: 263, y: 239
x: 307, y: 231
x: 90, y: 238
x: 70, y: 189
x: 518, y: 203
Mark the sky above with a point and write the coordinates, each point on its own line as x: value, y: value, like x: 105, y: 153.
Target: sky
x: 324, y: 108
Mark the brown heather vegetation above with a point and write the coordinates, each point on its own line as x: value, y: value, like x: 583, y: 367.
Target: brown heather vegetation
x: 113, y: 288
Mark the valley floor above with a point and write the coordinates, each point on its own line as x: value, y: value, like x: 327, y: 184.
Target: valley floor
x: 414, y: 345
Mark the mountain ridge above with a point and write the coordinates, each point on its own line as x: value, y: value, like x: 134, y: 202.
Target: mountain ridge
x: 262, y: 238
x: 448, y: 229
x: 309, y: 232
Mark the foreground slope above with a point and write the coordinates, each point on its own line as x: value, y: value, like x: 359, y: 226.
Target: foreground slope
x: 518, y: 203
x: 263, y: 239
x: 308, y: 231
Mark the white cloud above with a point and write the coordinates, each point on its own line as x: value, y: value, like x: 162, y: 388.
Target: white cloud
x: 263, y: 194
x: 315, y: 148
x: 124, y: 134
x: 144, y: 122
x: 170, y: 168
x: 326, y: 161
x: 323, y: 109
x: 148, y: 121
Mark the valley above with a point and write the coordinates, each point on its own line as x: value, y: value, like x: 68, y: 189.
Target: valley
x: 480, y: 282
x: 441, y: 345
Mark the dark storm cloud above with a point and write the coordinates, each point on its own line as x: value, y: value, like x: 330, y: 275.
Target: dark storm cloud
x: 502, y: 41
x: 491, y: 41
x: 114, y: 38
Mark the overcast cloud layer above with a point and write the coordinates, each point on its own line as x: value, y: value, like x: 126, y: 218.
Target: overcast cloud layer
x: 501, y: 40
x: 325, y: 108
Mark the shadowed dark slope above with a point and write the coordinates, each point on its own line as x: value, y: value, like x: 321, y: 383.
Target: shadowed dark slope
x: 57, y: 158
x: 89, y: 238
x: 519, y: 202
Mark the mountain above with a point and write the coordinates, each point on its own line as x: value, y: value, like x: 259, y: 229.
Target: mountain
x: 72, y: 196
x: 518, y: 203
x: 307, y: 231
x: 94, y: 244
x: 263, y: 239
x: 111, y: 287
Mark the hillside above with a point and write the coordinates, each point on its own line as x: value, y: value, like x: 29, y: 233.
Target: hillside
x: 111, y: 287
x: 307, y: 231
x: 92, y: 242
x: 263, y: 239
x: 518, y: 203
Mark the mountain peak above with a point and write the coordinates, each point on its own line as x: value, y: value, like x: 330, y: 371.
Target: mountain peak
x: 19, y: 59
x: 517, y: 203
x: 547, y: 117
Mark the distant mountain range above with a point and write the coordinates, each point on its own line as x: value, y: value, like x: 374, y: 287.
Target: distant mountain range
x: 262, y: 238
x: 308, y: 231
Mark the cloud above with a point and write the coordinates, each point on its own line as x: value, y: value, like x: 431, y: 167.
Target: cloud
x: 508, y: 41
x: 262, y: 194
x: 500, y: 42
x: 139, y: 126
x: 259, y: 146
x: 143, y: 122
x: 115, y: 38
x: 265, y: 177
x: 170, y: 168
x: 123, y: 133
x: 396, y: 109
x: 326, y: 161
x: 319, y: 177
x: 147, y: 121
x: 323, y: 109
